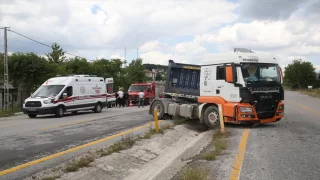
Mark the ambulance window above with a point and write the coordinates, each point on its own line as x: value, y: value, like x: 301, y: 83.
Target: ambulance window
x: 69, y: 91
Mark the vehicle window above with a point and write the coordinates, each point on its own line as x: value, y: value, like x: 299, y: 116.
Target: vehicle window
x: 69, y: 91
x: 221, y: 73
x: 260, y: 72
x: 46, y: 91
x: 137, y: 88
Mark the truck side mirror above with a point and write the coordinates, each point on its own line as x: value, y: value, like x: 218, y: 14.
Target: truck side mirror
x: 229, y: 74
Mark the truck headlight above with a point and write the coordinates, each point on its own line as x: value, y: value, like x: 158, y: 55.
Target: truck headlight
x: 281, y: 107
x: 246, y: 110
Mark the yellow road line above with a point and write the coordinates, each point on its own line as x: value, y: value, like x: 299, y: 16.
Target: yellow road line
x: 13, y: 169
x: 62, y: 125
x: 305, y: 107
x: 235, y: 173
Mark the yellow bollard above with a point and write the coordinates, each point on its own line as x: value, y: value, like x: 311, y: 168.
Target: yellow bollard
x: 155, y: 115
x: 221, y: 118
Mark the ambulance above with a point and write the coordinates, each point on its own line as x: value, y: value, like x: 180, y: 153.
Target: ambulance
x: 71, y: 93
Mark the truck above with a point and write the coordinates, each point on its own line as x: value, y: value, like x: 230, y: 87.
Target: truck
x: 248, y: 86
x: 151, y: 90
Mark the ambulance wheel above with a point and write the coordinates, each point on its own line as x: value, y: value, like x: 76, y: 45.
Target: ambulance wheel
x: 211, y: 117
x: 59, y: 111
x: 98, y: 108
x: 32, y: 115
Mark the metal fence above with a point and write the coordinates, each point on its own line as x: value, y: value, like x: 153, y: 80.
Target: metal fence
x: 16, y: 99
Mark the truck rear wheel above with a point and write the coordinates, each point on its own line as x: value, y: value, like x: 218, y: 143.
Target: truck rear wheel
x: 157, y: 105
x: 211, y: 117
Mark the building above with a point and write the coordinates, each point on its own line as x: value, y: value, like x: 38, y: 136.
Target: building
x: 151, y: 74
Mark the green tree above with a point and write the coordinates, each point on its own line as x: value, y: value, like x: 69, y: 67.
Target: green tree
x: 135, y: 72
x: 77, y: 66
x: 300, y: 74
x: 57, y: 55
x: 159, y: 77
x: 28, y: 70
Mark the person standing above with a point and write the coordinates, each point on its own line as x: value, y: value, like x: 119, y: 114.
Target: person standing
x: 120, y: 96
x: 141, y: 98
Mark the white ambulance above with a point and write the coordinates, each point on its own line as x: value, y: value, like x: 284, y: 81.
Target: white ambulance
x: 71, y: 93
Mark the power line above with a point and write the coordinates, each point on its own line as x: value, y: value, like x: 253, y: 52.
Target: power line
x: 42, y: 43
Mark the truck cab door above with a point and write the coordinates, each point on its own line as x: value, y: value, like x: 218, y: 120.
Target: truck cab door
x: 225, y: 85
x: 206, y: 81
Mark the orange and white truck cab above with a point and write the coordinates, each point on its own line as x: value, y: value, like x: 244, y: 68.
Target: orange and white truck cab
x: 247, y: 85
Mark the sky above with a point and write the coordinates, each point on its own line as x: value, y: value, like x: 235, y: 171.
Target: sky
x: 182, y: 30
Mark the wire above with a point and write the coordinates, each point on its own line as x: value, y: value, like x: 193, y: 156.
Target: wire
x: 42, y: 43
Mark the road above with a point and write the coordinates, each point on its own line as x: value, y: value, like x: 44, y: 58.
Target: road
x: 23, y: 139
x: 289, y: 149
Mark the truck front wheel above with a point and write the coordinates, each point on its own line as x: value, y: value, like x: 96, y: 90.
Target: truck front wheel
x: 211, y: 117
x: 157, y: 105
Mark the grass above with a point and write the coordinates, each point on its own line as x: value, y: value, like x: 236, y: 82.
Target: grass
x: 178, y: 120
x: 75, y: 165
x: 195, y: 174
x: 312, y: 92
x: 53, y: 177
x: 9, y: 112
x: 219, y: 144
x: 117, y: 147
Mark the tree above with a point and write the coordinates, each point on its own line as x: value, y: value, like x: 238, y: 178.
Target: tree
x: 135, y: 72
x: 57, y: 55
x: 159, y: 77
x: 27, y: 71
x: 77, y: 66
x: 300, y: 74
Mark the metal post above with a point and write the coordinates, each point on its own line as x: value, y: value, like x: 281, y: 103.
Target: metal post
x: 156, y: 122
x: 6, y: 72
x: 221, y: 118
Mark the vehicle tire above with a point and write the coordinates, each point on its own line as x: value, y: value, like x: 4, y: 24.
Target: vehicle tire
x: 98, y: 108
x: 32, y: 115
x: 211, y: 117
x: 146, y: 102
x: 59, y: 111
x: 160, y: 108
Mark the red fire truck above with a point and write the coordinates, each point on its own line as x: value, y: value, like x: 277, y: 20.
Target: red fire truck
x: 151, y: 90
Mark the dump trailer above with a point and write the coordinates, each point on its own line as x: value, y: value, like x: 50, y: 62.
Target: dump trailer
x: 247, y: 85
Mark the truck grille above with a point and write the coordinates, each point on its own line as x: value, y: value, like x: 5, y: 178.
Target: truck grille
x: 33, y: 104
x: 133, y: 97
x: 266, y: 110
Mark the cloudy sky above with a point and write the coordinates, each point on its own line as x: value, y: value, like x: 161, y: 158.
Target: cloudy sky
x: 182, y: 30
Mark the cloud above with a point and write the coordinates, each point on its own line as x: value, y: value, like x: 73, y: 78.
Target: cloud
x: 269, y: 10
x: 90, y: 25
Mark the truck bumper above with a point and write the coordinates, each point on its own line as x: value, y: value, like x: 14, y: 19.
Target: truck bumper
x: 252, y: 118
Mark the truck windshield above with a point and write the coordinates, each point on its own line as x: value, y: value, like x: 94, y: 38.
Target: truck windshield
x: 45, y: 91
x: 260, y: 73
x: 135, y: 88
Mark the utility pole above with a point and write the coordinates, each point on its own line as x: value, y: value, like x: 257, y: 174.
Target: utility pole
x: 125, y: 53
x: 137, y: 53
x: 5, y: 72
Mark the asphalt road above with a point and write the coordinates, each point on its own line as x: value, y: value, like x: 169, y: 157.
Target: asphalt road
x: 289, y: 149
x: 23, y: 139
